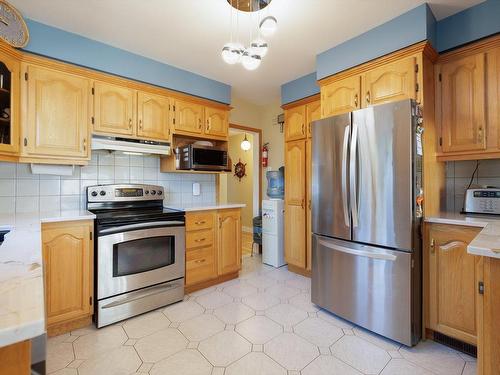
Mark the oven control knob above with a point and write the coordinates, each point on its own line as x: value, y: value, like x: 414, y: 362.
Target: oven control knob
x: 153, y: 192
x: 94, y: 193
x: 102, y: 192
x: 159, y: 192
x: 146, y: 192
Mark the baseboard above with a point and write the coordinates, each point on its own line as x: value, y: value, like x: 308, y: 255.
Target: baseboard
x: 299, y: 270
x: 68, y: 326
x: 205, y: 284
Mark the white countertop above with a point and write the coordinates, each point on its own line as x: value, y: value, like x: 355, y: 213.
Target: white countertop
x: 486, y: 243
x: 22, y: 313
x: 205, y: 206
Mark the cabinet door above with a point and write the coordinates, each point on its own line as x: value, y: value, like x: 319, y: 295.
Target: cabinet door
x: 390, y: 83
x: 188, y: 117
x: 309, y: 204
x: 152, y: 116
x: 454, y: 277
x: 216, y: 122
x: 58, y: 114
x: 114, y: 109
x: 295, y: 123
x: 9, y: 98
x: 341, y: 96
x: 229, y: 235
x: 463, y: 105
x: 313, y: 113
x: 200, y: 264
x: 67, y: 256
x: 295, y: 203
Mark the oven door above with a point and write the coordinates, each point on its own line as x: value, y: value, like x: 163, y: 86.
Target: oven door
x: 208, y: 159
x: 134, y: 259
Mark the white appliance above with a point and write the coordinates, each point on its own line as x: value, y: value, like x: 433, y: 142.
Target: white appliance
x: 272, y: 232
x: 139, y: 146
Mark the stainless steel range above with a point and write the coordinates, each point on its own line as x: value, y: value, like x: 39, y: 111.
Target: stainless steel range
x: 139, y: 251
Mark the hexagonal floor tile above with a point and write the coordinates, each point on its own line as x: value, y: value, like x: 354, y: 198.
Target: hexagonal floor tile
x: 146, y: 324
x: 123, y: 360
x: 224, y: 348
x: 299, y: 282
x: 214, y: 299
x: 240, y: 290
x: 59, y: 354
x: 303, y: 302
x: 334, y: 319
x: 318, y: 332
x: 185, y: 362
x: 201, y: 327
x: 234, y: 313
x: 182, y: 311
x: 291, y: 351
x: 160, y: 345
x: 286, y: 314
x: 402, y: 366
x: 360, y: 354
x: 259, y: 329
x: 261, y: 281
x: 99, y: 341
x: 327, y: 365
x: 261, y: 301
x: 280, y: 274
x: 253, y: 364
x: 378, y: 340
x: 282, y: 291
x: 470, y: 368
x: 66, y: 371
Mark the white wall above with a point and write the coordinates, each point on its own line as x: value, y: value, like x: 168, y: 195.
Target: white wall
x: 22, y: 191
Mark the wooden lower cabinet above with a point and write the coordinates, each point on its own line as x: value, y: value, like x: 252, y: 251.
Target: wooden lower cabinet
x: 454, y: 276
x: 16, y: 359
x: 67, y: 249
x: 213, y: 247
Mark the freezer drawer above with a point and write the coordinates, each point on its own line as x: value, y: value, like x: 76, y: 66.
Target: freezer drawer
x: 369, y: 286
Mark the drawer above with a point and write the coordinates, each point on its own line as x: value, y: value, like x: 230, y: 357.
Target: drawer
x: 199, y: 220
x: 200, y: 265
x: 199, y: 238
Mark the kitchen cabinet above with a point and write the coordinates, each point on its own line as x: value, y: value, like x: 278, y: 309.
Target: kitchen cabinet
x: 9, y: 100
x: 390, y: 82
x: 114, y: 109
x: 341, y: 96
x: 309, y: 204
x: 16, y: 359
x: 229, y: 241
x: 313, y: 113
x: 67, y: 249
x: 454, y: 276
x: 295, y: 123
x: 216, y: 122
x: 153, y: 116
x: 188, y: 118
x: 57, y: 115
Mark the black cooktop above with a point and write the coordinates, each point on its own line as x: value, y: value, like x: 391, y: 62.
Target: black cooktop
x: 135, y: 215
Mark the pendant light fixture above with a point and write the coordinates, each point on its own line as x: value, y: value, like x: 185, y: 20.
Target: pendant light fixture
x: 245, y: 144
x: 250, y: 57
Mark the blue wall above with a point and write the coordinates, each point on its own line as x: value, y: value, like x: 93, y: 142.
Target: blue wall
x: 300, y: 88
x: 62, y: 45
x: 468, y: 25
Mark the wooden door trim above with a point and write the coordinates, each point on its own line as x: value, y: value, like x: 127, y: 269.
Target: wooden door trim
x: 306, y: 100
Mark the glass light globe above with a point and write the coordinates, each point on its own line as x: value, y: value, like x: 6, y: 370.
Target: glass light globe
x: 231, y: 53
x: 245, y: 144
x: 268, y: 26
x: 259, y: 47
x: 250, y: 60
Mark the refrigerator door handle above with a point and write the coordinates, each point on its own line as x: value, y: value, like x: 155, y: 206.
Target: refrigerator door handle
x: 353, y: 175
x: 367, y: 254
x: 344, y: 175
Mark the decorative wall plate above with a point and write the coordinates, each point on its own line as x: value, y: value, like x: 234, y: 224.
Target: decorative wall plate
x: 240, y: 170
x: 13, y: 29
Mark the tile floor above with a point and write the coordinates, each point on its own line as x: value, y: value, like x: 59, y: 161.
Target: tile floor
x: 260, y: 324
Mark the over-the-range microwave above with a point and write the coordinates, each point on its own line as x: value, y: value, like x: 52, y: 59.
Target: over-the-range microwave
x: 201, y: 158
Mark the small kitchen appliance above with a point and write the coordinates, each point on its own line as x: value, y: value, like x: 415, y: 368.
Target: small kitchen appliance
x: 482, y: 201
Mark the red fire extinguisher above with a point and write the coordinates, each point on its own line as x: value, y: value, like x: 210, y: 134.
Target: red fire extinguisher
x: 265, y: 157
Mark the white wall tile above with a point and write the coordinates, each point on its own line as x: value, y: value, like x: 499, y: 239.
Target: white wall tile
x: 50, y: 187
x: 106, y: 158
x: 70, y: 187
x: 489, y: 168
x: 70, y: 202
x: 150, y: 173
x: 122, y: 159
x: 74, y: 176
x: 24, y: 171
x: 27, y: 204
x: 136, y: 161
x: 136, y: 173
x: 7, y: 205
x: 7, y: 187
x: 7, y: 170
x: 50, y: 203
x: 89, y: 172
x: 122, y: 173
x: 106, y: 172
x: 27, y: 188
x: 151, y: 161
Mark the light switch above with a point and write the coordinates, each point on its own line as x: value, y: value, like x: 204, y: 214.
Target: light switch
x: 196, y: 188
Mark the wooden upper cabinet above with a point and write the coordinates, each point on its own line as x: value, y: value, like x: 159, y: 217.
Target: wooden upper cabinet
x: 341, y: 96
x: 229, y: 241
x: 313, y: 113
x: 58, y: 114
x: 295, y: 177
x: 68, y: 262
x: 453, y: 281
x: 295, y: 123
x: 114, y: 109
x: 188, y: 117
x: 216, y: 122
x: 390, y: 82
x: 462, y: 104
x: 309, y: 204
x: 9, y: 98
x: 153, y: 116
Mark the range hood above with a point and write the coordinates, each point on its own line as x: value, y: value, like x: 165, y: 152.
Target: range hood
x: 128, y: 145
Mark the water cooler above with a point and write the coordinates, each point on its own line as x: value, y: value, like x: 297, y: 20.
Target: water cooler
x: 272, y: 232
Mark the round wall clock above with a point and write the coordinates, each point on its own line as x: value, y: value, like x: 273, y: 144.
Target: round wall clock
x: 13, y: 29
x: 239, y: 170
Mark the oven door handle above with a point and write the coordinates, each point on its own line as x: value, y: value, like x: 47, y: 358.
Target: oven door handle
x: 153, y: 224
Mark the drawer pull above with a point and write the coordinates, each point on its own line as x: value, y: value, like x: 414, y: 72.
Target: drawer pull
x: 200, y: 261
x: 200, y: 240
x: 200, y: 222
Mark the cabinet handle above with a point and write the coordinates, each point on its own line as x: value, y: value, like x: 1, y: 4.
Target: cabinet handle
x: 309, y: 204
x: 303, y: 129
x: 140, y: 124
x: 309, y: 128
x: 130, y: 123
x: 200, y: 261
x: 84, y: 144
x: 200, y: 240
x: 356, y: 100
x: 208, y: 124
x: 480, y: 134
x: 199, y: 123
x: 368, y: 96
x: 220, y: 222
x: 25, y: 142
x: 433, y: 246
x: 200, y: 222
x: 302, y: 203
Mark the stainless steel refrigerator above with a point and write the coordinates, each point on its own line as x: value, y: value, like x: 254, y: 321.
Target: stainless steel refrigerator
x: 366, y: 259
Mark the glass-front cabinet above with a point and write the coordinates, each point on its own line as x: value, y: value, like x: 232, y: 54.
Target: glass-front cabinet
x: 9, y: 104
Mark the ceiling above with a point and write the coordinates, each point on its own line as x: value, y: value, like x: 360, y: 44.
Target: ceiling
x: 189, y: 34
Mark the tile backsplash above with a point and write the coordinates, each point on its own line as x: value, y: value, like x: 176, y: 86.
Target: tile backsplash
x: 23, y: 191
x: 458, y: 175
